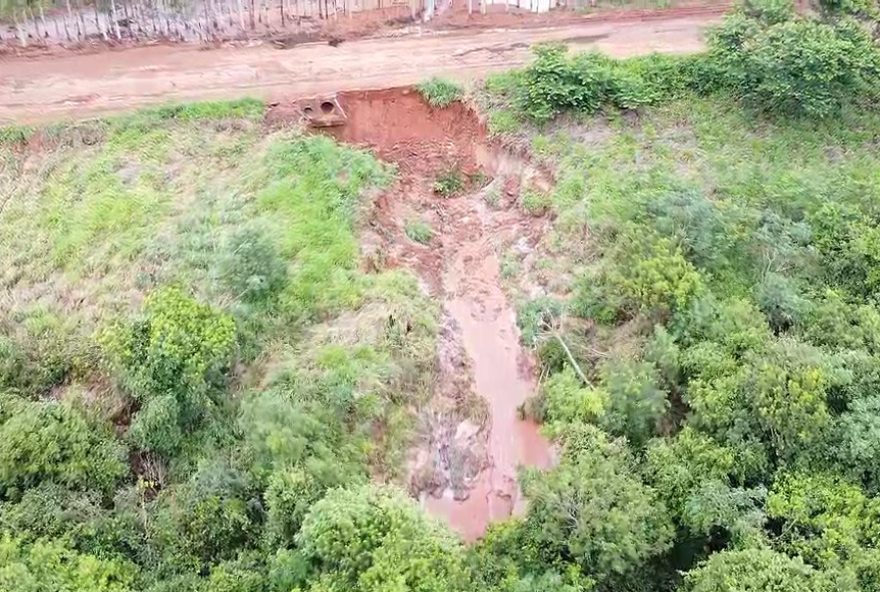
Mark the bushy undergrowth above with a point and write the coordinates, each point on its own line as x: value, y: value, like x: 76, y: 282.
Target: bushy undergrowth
x: 765, y: 55
x: 722, y: 318
x: 556, y: 82
x: 419, y: 231
x: 208, y: 299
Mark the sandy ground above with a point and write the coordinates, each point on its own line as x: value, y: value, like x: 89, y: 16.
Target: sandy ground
x: 74, y: 86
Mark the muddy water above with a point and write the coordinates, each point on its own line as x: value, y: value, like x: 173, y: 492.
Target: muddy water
x: 503, y: 377
x: 465, y: 462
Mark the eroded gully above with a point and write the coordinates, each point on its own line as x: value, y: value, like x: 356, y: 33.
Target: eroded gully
x: 472, y: 439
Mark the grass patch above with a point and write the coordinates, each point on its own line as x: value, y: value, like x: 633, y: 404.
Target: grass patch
x: 448, y: 183
x: 439, y: 92
x: 503, y: 122
x: 315, y: 188
x: 247, y: 109
x: 492, y: 196
x: 15, y: 134
x: 535, y: 202
x: 419, y: 231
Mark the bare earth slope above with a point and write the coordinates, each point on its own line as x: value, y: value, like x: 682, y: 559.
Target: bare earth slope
x: 81, y: 85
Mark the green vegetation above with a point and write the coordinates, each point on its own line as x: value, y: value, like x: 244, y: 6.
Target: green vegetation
x: 53, y: 442
x: 762, y: 54
x: 202, y: 390
x: 535, y: 202
x: 418, y: 231
x: 449, y: 183
x: 492, y: 196
x: 718, y: 318
x: 52, y: 566
x: 205, y: 359
x: 440, y: 92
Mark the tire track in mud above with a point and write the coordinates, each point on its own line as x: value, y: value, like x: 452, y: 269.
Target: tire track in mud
x: 471, y: 439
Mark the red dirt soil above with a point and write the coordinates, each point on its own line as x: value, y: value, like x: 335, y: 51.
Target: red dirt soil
x: 464, y: 466
x: 402, y: 129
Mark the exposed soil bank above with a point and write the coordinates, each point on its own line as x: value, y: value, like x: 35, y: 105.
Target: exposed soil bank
x: 472, y: 439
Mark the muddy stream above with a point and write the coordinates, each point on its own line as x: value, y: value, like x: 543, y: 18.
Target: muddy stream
x: 471, y: 439
x: 502, y: 376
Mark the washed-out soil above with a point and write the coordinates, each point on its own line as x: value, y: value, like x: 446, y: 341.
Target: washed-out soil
x: 471, y: 438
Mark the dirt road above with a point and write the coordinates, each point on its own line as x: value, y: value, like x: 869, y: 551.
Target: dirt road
x: 78, y: 86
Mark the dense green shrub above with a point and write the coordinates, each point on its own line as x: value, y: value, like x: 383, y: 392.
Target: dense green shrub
x: 758, y: 570
x: 170, y: 360
x: 50, y: 565
x: 207, y: 519
x: 777, y: 396
x: 236, y: 576
x: 298, y: 452
x: 787, y: 65
x: 635, y: 401
x: 807, y: 68
x: 651, y: 277
x: 649, y: 80
x: 157, y: 425
x: 692, y: 220
x: 781, y: 301
x: 676, y: 466
x: 867, y: 10
x: 564, y: 398
x: 365, y: 537
x: 11, y: 363
x: 554, y: 83
x: 52, y: 441
x: 787, y: 395
x: 859, y: 430
x: 83, y: 519
x: 251, y: 268
x: 536, y: 317
x: 698, y: 480
x: 179, y: 345
x: 37, y: 359
x: 827, y: 520
x: 763, y: 53
x: 592, y: 510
